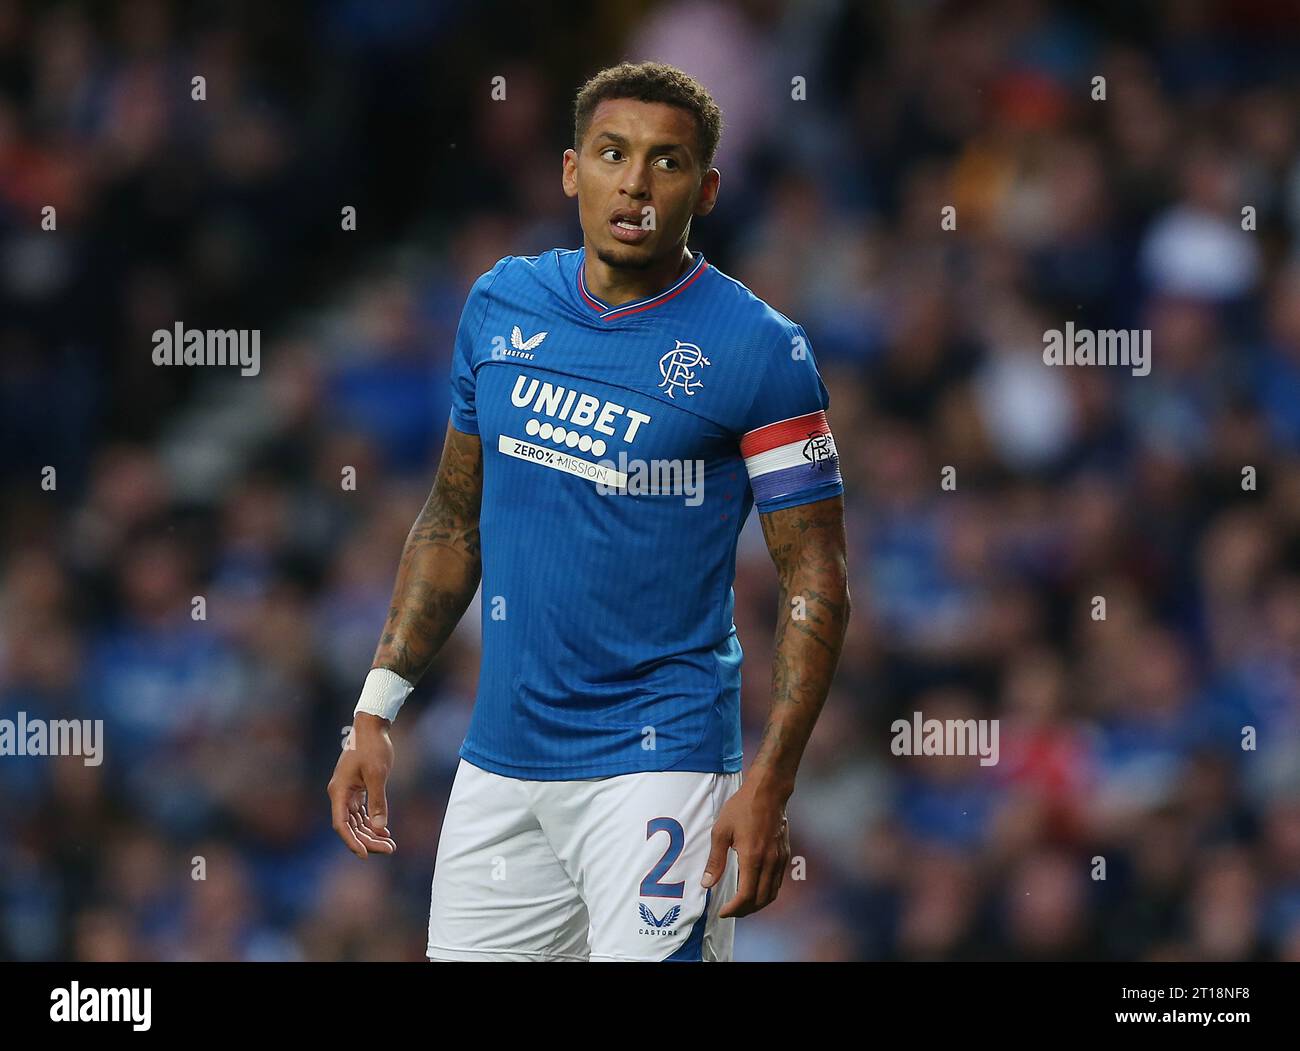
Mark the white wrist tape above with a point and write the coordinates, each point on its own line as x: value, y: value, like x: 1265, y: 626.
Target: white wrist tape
x: 383, y: 694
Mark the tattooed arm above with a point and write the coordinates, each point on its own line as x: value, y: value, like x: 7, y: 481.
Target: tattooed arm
x: 436, y: 580
x: 807, y: 544
x: 440, y: 567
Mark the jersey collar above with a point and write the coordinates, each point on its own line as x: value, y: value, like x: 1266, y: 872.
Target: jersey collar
x: 609, y: 313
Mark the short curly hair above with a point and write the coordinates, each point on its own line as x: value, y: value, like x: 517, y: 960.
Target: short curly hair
x: 651, y: 82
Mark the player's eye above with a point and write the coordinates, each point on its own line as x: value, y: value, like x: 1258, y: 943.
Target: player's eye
x: 607, y: 151
x: 669, y: 164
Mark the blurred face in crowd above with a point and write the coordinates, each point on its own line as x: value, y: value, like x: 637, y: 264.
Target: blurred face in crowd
x: 639, y: 179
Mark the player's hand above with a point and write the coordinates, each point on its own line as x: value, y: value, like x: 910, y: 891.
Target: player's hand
x: 752, y: 822
x: 356, y: 791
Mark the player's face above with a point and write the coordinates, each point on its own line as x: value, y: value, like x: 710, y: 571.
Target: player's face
x: 638, y: 179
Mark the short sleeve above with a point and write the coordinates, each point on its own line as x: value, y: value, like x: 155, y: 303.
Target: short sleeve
x: 786, y: 442
x: 463, y: 414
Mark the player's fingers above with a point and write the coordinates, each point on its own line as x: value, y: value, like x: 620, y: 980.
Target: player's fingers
x: 339, y: 812
x: 373, y: 843
x: 785, y: 856
x: 767, y: 877
x: 385, y: 843
x: 717, y: 855
x: 369, y: 826
x: 780, y: 860
x: 774, y: 862
x: 782, y: 865
x: 377, y: 799
x: 742, y: 902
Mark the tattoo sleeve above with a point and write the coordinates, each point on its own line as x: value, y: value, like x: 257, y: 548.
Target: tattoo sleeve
x: 807, y: 544
x: 440, y: 567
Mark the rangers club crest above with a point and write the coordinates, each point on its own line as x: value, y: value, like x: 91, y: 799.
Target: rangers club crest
x: 678, y: 366
x: 818, y: 450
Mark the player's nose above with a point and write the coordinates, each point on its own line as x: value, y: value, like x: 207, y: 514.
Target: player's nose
x: 636, y: 180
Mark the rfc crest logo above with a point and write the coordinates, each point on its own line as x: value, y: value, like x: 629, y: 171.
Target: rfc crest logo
x: 653, y: 925
x: 818, y: 450
x: 678, y: 366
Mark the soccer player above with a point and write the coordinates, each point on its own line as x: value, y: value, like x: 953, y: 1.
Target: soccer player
x: 617, y: 410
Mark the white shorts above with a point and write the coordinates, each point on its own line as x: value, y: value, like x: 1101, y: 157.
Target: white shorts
x: 600, y: 869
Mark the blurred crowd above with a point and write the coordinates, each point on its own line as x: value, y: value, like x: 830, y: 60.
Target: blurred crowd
x: 1146, y: 804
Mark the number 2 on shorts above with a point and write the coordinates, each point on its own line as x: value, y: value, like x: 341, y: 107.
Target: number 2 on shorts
x: 650, y: 886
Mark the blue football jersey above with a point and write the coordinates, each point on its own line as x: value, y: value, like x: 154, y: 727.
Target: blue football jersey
x: 623, y: 447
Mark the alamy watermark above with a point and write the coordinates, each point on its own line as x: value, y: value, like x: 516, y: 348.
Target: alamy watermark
x: 24, y: 737
x: 75, y: 1004
x: 213, y: 346
x: 923, y: 736
x: 1107, y: 346
x: 630, y: 476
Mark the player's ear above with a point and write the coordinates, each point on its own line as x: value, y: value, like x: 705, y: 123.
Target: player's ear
x: 569, y: 180
x: 708, y: 195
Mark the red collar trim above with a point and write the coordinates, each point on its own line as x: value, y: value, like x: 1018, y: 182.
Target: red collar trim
x: 608, y: 313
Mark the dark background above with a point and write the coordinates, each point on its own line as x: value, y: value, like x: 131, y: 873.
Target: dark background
x: 1119, y: 738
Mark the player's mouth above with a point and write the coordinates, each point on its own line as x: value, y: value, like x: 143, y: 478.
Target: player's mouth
x: 625, y: 226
